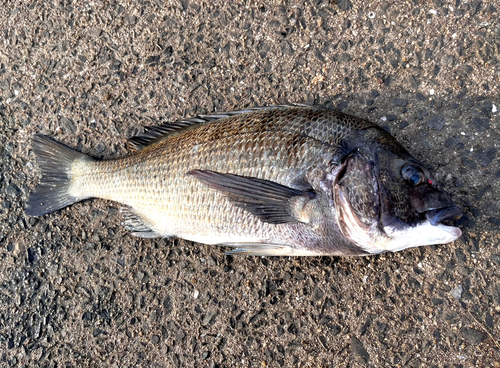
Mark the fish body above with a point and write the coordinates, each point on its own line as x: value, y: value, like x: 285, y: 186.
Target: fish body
x: 268, y: 181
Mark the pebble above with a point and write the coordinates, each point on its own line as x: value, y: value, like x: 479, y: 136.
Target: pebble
x: 494, y: 220
x: 496, y: 258
x: 485, y: 155
x: 436, y: 122
x: 168, y: 304
x: 403, y: 124
x: 472, y: 336
x: 461, y: 257
x: 68, y: 125
x: 400, y: 102
x: 342, y: 105
x: 12, y: 190
x: 344, y: 4
x: 359, y: 351
x: 454, y: 143
x: 480, y: 124
x: 457, y: 292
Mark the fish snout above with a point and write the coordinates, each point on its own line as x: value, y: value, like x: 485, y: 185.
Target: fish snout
x: 439, y: 215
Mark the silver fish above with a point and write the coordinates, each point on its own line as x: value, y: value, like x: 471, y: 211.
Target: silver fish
x: 279, y: 180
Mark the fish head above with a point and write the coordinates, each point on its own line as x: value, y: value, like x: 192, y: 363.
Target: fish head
x: 386, y: 200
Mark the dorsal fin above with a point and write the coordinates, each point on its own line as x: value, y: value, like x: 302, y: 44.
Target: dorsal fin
x: 154, y: 134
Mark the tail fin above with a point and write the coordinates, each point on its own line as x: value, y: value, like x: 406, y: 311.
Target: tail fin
x: 55, y: 161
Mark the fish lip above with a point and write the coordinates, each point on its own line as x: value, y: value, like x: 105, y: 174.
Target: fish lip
x: 453, y: 231
x: 438, y: 215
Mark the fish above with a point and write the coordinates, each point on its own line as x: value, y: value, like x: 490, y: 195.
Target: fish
x: 269, y: 181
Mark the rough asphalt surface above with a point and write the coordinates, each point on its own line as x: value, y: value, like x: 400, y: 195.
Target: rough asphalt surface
x: 76, y: 290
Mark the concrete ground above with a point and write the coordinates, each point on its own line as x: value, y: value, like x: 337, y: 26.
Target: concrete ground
x: 76, y: 290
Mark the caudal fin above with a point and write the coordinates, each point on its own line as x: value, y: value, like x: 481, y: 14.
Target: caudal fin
x: 54, y: 160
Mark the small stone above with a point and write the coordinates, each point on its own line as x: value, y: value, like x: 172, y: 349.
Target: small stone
x: 98, y: 332
x: 489, y: 320
x: 318, y: 294
x: 32, y: 255
x: 457, y: 292
x: 209, y: 317
x: 359, y: 351
x: 152, y: 60
x: 437, y: 301
x: 469, y: 163
x: 12, y: 190
x: 479, y: 124
x: 95, y: 32
x: 344, y: 4
x: 403, y: 124
x: 436, y: 122
x: 168, y: 304
x: 485, y: 155
x: 342, y: 105
x: 454, y: 142
x: 461, y: 257
x: 400, y: 102
x: 68, y: 125
x: 494, y: 220
x: 472, y: 336
x: 293, y: 329
x: 421, y: 114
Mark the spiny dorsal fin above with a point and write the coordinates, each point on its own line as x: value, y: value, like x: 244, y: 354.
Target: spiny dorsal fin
x: 154, y: 134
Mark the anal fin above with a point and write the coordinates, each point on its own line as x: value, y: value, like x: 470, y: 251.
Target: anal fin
x: 267, y: 250
x: 137, y: 225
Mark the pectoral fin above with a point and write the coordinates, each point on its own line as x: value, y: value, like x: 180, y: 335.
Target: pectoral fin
x: 269, y: 201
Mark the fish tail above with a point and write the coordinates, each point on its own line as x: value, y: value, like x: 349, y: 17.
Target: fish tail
x: 55, y: 161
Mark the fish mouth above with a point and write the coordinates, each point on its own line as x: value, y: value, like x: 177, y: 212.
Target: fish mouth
x: 436, y: 216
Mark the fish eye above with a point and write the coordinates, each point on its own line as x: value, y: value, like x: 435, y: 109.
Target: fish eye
x: 415, y: 179
x: 413, y: 174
